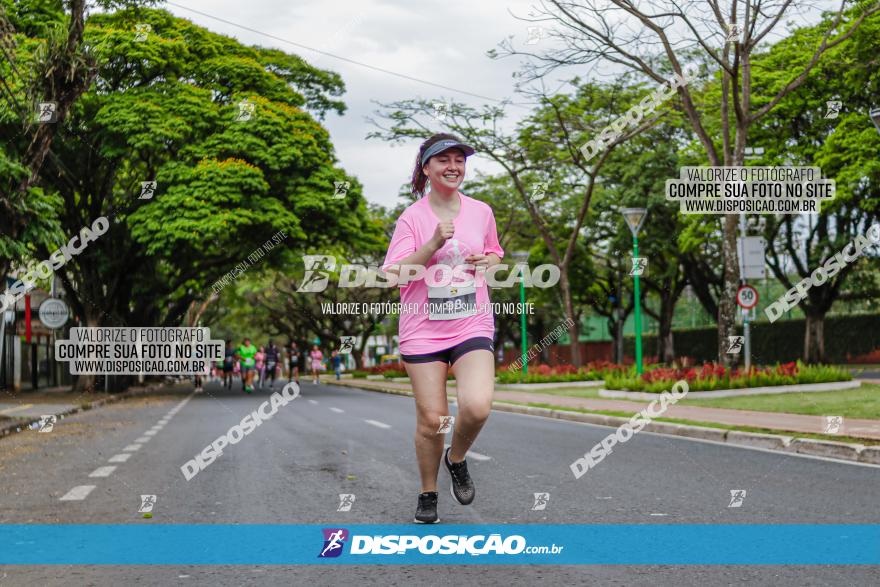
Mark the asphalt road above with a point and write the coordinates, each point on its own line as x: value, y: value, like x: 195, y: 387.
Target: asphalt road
x: 334, y: 440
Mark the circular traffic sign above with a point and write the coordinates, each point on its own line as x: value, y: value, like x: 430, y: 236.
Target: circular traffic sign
x: 53, y: 313
x: 747, y: 297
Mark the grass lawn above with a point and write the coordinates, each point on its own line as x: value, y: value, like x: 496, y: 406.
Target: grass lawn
x: 837, y: 438
x: 863, y: 402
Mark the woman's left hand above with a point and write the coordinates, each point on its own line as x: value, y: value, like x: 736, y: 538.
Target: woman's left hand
x: 478, y: 261
x: 483, y: 262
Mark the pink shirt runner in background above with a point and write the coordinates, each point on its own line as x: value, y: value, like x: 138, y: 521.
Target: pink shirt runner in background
x: 475, y: 234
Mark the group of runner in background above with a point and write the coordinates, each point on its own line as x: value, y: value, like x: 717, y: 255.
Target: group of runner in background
x: 265, y: 363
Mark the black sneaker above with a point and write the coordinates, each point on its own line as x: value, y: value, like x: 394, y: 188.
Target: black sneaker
x: 426, y: 513
x: 462, y: 487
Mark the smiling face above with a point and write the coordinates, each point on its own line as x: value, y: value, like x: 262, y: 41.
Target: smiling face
x: 446, y: 169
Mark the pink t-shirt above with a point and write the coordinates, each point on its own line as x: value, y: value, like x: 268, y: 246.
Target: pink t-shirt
x: 475, y: 234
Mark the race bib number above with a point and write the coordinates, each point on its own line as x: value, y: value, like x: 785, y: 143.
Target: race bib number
x: 451, y: 302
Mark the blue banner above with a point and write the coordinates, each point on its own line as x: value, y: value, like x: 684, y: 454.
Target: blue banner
x: 276, y: 544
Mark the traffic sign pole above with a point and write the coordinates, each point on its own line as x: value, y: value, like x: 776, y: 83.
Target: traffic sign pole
x: 746, y: 331
x: 747, y: 298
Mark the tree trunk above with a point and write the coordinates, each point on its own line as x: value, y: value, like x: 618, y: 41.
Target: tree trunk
x: 617, y: 324
x: 86, y: 383
x: 814, y: 338
x: 727, y: 305
x: 665, y: 346
x: 573, y: 331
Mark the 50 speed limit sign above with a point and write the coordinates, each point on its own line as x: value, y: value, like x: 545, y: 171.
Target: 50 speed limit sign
x: 747, y: 297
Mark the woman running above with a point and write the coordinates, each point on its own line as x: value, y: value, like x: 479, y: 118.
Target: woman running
x: 246, y: 353
x: 273, y: 358
x: 316, y: 357
x: 228, y: 364
x: 293, y: 360
x: 260, y: 366
x: 452, y: 325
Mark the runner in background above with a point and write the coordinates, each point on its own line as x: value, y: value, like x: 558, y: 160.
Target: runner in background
x: 336, y: 360
x: 446, y: 227
x: 228, y: 364
x: 245, y: 354
x: 316, y: 357
x: 273, y: 360
x: 294, y: 359
x: 260, y: 366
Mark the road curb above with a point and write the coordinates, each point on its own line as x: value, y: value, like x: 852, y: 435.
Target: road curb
x: 757, y: 440
x: 827, y: 448
x: 870, y: 454
x: 24, y: 424
x: 775, y: 442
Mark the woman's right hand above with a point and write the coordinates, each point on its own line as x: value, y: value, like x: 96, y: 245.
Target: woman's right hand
x: 442, y: 233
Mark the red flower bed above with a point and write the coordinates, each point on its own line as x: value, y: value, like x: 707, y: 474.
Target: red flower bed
x: 379, y: 369
x: 572, y: 370
x: 710, y: 370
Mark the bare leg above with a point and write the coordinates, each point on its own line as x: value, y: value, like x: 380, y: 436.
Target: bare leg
x: 429, y: 389
x: 475, y: 384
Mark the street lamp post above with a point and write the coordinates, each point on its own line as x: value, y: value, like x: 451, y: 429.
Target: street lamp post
x: 635, y: 218
x: 521, y: 258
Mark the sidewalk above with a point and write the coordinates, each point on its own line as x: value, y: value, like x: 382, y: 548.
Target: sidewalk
x: 29, y: 407
x: 747, y: 418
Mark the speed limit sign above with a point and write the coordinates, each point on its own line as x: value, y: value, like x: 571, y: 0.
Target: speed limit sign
x: 747, y: 297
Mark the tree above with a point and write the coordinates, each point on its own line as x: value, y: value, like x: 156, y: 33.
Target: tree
x: 62, y: 70
x: 845, y: 147
x: 673, y: 33
x: 542, y: 156
x: 169, y: 109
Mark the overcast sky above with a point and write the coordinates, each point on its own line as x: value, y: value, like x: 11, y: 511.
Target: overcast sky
x: 441, y: 42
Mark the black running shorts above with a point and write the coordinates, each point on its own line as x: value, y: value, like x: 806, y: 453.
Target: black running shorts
x: 452, y: 354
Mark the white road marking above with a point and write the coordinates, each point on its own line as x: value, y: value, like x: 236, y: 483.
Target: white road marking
x: 132, y: 447
x: 151, y: 432
x: 120, y: 458
x: 143, y: 439
x: 77, y: 493
x: 658, y: 514
x: 311, y: 401
x: 474, y: 455
x: 337, y: 410
x: 377, y: 424
x: 103, y: 471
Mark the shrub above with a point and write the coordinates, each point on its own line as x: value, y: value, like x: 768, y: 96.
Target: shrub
x: 593, y: 371
x: 712, y: 376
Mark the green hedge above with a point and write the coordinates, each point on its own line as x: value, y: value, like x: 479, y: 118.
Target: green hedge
x: 779, y: 342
